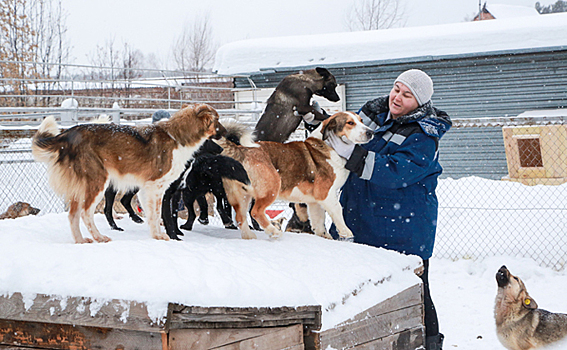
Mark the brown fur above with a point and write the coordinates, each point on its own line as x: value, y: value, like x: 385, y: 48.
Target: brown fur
x: 84, y: 159
x: 18, y: 210
x: 309, y: 172
x: 520, y: 324
x: 239, y: 197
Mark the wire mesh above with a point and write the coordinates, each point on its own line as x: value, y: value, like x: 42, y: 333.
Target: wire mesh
x: 521, y: 216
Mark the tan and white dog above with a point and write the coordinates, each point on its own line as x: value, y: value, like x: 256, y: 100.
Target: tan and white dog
x: 307, y: 171
x: 81, y: 161
x: 520, y: 324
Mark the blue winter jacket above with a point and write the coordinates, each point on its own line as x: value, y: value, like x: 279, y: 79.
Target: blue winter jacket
x: 389, y: 198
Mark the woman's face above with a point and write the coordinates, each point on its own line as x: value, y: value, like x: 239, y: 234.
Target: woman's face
x: 401, y: 101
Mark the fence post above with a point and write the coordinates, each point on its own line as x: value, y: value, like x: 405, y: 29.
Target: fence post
x: 69, y: 112
x: 116, y: 114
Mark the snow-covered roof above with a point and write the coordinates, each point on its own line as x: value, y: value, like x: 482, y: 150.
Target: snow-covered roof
x: 249, y: 56
x: 501, y: 11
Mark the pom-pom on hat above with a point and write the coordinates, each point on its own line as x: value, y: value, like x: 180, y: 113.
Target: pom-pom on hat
x: 419, y: 83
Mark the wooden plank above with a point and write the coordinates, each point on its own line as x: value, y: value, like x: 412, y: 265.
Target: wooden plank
x: 227, y: 317
x: 63, y: 337
x: 409, y: 339
x: 201, y: 339
x: 278, y: 339
x: 119, y: 314
x: 409, y: 297
x: 372, y: 328
x: 250, y: 338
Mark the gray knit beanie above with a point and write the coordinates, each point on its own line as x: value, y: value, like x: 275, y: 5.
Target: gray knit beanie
x: 419, y: 83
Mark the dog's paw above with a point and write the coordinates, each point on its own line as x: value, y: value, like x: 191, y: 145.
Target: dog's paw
x: 273, y: 232
x: 103, y: 239
x: 248, y: 235
x: 162, y: 236
x: 137, y: 219
x: 84, y: 240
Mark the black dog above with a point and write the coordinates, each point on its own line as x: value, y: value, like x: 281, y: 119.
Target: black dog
x: 126, y: 200
x: 206, y: 173
x: 292, y: 100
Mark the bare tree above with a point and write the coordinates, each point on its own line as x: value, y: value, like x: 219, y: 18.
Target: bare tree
x: 194, y: 49
x: 47, y: 19
x: 17, y: 45
x: 132, y: 61
x: 107, y: 58
x: 375, y: 14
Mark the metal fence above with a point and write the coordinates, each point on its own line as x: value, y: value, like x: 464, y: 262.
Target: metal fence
x: 523, y: 214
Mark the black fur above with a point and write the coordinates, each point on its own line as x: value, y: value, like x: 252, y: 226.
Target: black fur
x: 295, y: 224
x: 109, y: 196
x: 204, y: 174
x: 292, y: 100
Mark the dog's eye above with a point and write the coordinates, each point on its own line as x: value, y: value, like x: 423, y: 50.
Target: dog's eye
x: 350, y: 122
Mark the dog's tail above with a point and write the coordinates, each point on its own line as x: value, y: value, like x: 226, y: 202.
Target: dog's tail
x: 42, y: 140
x: 102, y: 119
x: 239, y: 134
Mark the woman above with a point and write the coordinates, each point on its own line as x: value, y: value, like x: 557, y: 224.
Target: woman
x: 389, y: 198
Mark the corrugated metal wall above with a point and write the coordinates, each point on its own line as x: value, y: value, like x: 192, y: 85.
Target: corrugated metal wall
x: 500, y: 85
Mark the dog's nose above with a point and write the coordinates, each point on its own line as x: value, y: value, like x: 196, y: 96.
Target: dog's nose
x: 502, y: 277
x: 369, y: 134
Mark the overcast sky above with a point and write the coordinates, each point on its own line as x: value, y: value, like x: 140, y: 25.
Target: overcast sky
x: 152, y: 27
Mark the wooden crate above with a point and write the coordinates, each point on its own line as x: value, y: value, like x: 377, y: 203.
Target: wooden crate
x: 50, y: 322
x: 67, y: 323
x: 395, y: 324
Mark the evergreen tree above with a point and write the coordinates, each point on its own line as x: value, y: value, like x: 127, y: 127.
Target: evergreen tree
x: 559, y: 6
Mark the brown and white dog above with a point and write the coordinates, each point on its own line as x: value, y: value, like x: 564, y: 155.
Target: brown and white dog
x: 84, y: 159
x: 307, y: 171
x: 520, y: 324
x: 19, y: 209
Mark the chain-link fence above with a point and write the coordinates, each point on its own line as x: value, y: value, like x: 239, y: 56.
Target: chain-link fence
x: 522, y: 215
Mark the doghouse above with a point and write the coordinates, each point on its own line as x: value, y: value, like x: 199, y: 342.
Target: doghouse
x: 536, y: 155
x: 51, y: 322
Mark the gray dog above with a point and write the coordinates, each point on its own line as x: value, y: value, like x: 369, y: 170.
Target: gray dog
x: 292, y: 100
x: 520, y: 325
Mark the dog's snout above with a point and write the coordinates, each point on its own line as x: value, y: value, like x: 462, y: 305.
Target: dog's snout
x: 502, y: 276
x: 369, y: 134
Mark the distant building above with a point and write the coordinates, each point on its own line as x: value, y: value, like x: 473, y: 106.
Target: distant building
x: 499, y: 11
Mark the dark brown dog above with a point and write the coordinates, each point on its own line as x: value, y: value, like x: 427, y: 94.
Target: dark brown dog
x: 520, y: 325
x: 292, y: 100
x: 18, y: 210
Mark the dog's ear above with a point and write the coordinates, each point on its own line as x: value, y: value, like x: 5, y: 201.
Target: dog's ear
x: 203, y: 109
x: 323, y: 72
x: 529, y: 303
x: 185, y: 105
x: 330, y: 125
